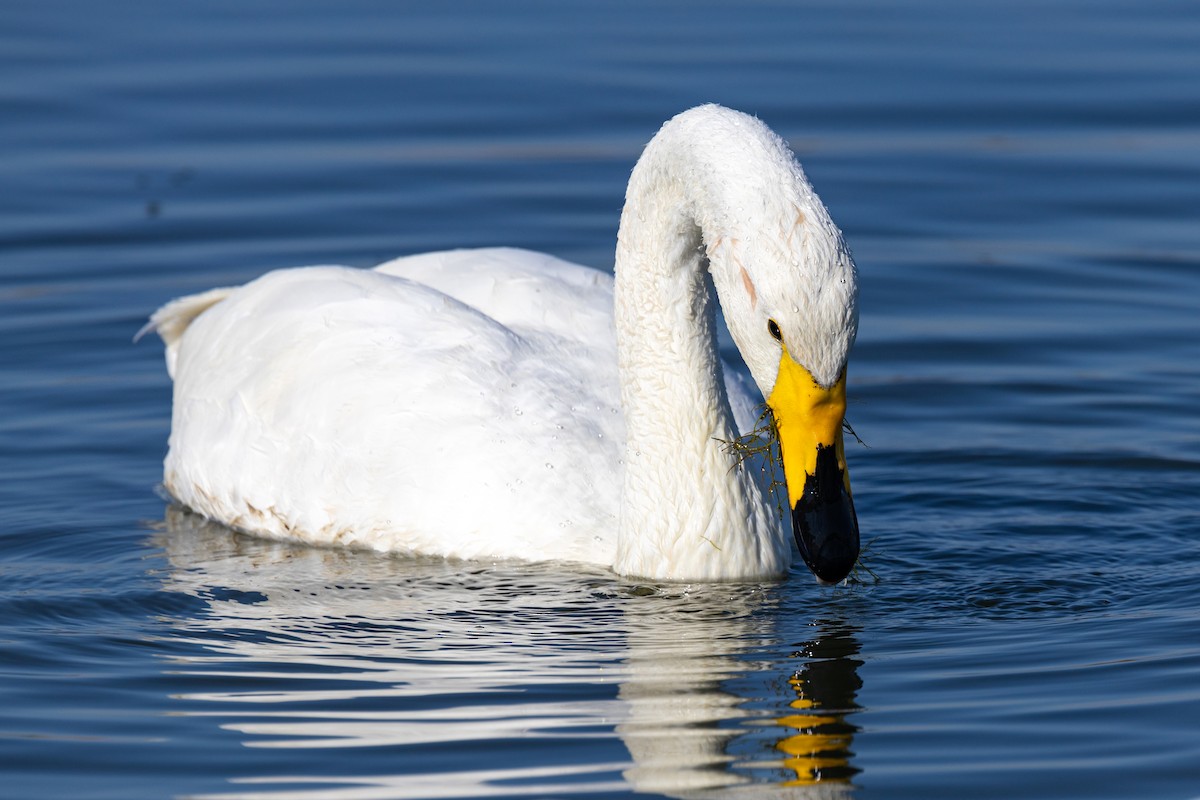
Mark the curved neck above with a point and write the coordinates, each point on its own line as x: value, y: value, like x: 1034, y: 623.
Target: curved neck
x: 687, y: 513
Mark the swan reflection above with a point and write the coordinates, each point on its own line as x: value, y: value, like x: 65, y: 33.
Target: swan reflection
x: 502, y: 679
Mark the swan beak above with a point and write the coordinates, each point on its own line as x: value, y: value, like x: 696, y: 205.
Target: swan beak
x: 809, y: 419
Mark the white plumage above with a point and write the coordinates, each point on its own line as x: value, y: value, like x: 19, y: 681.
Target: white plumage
x: 471, y: 403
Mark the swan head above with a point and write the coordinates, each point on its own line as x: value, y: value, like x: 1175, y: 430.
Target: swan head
x: 795, y: 322
x: 789, y: 290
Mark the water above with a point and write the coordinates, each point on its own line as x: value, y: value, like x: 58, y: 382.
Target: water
x: 1020, y: 183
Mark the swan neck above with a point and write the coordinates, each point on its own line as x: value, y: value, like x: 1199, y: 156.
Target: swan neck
x: 686, y: 513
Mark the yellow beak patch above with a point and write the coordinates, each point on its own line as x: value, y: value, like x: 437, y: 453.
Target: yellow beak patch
x: 807, y: 416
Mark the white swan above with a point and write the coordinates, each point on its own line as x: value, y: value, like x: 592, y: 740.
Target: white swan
x: 491, y: 404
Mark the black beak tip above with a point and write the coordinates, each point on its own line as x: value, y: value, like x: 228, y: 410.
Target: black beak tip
x: 825, y: 524
x: 831, y: 565
x: 828, y: 539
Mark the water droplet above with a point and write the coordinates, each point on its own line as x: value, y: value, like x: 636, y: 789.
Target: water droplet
x: 549, y: 465
x: 518, y: 411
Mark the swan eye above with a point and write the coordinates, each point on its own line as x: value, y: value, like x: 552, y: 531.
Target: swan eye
x: 773, y: 329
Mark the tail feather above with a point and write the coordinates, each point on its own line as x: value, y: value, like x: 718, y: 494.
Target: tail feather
x: 170, y: 321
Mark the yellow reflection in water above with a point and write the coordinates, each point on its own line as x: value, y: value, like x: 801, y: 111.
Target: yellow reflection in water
x: 825, y: 688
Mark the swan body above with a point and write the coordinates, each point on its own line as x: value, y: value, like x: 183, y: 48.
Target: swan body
x: 501, y: 403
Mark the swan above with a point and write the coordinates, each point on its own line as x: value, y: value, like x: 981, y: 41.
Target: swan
x: 501, y: 403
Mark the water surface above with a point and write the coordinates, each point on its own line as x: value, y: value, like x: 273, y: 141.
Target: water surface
x: 1020, y: 184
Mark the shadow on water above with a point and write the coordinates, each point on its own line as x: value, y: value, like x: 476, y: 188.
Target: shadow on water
x: 362, y: 676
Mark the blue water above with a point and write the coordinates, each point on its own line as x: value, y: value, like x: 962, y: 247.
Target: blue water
x: 1020, y: 184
